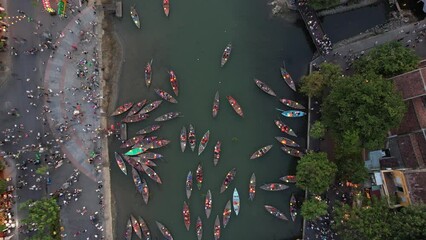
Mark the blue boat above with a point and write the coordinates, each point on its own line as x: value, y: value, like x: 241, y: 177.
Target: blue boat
x: 291, y: 113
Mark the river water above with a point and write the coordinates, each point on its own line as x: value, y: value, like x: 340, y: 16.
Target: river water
x: 191, y: 42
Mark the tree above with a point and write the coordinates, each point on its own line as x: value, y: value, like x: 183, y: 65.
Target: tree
x: 331, y: 73
x: 3, y: 186
x: 411, y: 223
x: 315, y: 173
x: 314, y: 84
x: 313, y: 209
x: 44, y: 216
x: 367, y: 106
x: 323, y: 4
x: 352, y: 169
x: 317, y: 130
x: 389, y: 60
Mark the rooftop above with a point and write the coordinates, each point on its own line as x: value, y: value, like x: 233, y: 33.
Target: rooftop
x: 416, y: 180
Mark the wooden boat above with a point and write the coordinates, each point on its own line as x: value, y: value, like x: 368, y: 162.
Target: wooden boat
x: 166, y: 233
x: 120, y: 163
x: 148, y: 129
x: 167, y: 116
x: 216, y: 152
x: 226, y: 54
x: 148, y: 73
x: 199, y: 176
x: 293, y: 209
x: 199, y: 228
x: 186, y: 215
x: 140, y: 160
x: 145, y: 191
x: 123, y: 131
x: 145, y: 141
x: 203, y: 142
x: 191, y: 137
x: 291, y: 103
x: 150, y: 155
x: 135, y: 118
x: 188, y: 184
x: 284, y: 128
x: 215, y: 108
x: 165, y: 95
x: 228, y: 179
x: 135, y: 151
x: 216, y: 228
x: 136, y: 107
x: 183, y: 139
x: 151, y: 107
x: 152, y: 174
x: 135, y: 164
x: 135, y: 16
x: 259, y: 153
x: 145, y: 230
x: 264, y: 87
x: 174, y: 83
x: 122, y: 109
x: 287, y: 78
x: 275, y: 212
x: 226, y: 213
x: 292, y: 151
x: 287, y: 142
x: 128, y: 232
x: 158, y: 143
x: 136, y: 227
x: 252, y: 187
x: 291, y: 113
x: 132, y: 141
x: 289, y: 179
x: 166, y: 7
x: 273, y: 187
x: 137, y: 180
x: 208, y: 203
x: 236, y: 201
x: 237, y: 108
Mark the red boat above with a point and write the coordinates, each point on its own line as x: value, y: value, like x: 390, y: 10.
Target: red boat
x: 292, y: 151
x: 284, y: 128
x: 216, y: 228
x: 186, y: 215
x: 135, y: 118
x: 123, y: 108
x: 287, y: 142
x: 148, y: 129
x: 152, y: 174
x: 166, y: 7
x: 132, y: 141
x: 199, y: 176
x: 237, y: 108
x: 174, y: 83
x: 165, y: 95
x: 136, y: 108
x: 216, y: 153
x: 226, y: 54
x: 287, y: 78
x: 150, y: 107
x: 148, y: 73
x: 292, y: 104
x: 228, y: 179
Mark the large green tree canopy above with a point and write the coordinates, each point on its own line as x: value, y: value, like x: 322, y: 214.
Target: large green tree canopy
x: 314, y: 84
x: 367, y: 105
x: 313, y: 209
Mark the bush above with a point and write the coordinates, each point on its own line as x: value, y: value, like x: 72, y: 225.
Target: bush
x: 317, y: 130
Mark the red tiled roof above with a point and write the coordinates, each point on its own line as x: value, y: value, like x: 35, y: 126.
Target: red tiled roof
x: 415, y: 180
x: 411, y: 84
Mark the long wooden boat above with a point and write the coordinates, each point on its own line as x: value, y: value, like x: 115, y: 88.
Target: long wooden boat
x: 287, y: 142
x: 157, y: 143
x: 284, y: 128
x: 237, y: 108
x: 148, y: 129
x: 236, y: 201
x: 165, y: 95
x: 148, y: 73
x: 226, y: 213
x: 166, y: 7
x: 145, y: 230
x: 289, y: 178
x: 186, y: 215
x: 167, y: 116
x: 135, y: 118
x: 203, y: 142
x: 137, y: 180
x: 273, y: 187
x: 151, y: 107
x: 259, y: 153
x: 128, y: 232
x: 145, y: 191
x: 135, y: 164
x: 226, y: 54
x: 136, y: 107
x: 292, y: 151
x: 291, y: 103
x: 216, y: 152
x: 123, y: 131
x: 287, y: 78
x: 174, y: 82
x: 293, y: 209
x: 164, y: 231
x: 199, y: 228
x: 122, y: 109
x: 208, y: 203
x: 183, y: 139
x: 120, y: 163
x: 228, y: 179
x: 188, y: 184
x: 216, y: 102
x: 216, y: 231
x: 252, y: 187
x: 264, y: 87
x: 141, y: 161
x: 132, y: 141
x: 199, y: 176
x: 152, y: 174
x: 150, y: 155
x: 135, y: 16
x: 275, y: 212
x: 145, y: 141
x: 191, y: 137
x: 136, y: 226
x: 291, y: 113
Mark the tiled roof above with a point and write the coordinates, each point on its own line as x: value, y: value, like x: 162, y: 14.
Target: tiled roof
x: 415, y: 180
x: 411, y: 84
